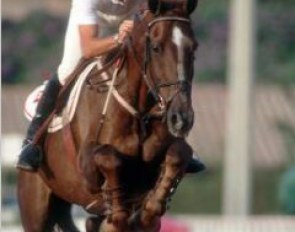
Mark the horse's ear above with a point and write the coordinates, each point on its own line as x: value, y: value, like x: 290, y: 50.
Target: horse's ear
x: 191, y: 5
x: 153, y: 5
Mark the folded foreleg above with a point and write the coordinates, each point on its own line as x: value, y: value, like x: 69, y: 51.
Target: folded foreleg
x: 173, y: 169
x: 110, y: 165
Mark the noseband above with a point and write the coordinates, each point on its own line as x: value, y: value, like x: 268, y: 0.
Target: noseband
x: 154, y: 88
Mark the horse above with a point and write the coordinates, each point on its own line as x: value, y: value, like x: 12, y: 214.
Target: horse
x: 128, y: 156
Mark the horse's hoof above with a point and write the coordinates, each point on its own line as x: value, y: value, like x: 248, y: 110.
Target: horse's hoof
x: 109, y: 227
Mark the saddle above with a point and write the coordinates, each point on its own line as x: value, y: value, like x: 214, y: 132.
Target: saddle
x: 68, y: 97
x: 65, y: 113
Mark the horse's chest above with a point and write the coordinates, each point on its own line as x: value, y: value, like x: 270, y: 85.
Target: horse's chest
x: 134, y: 144
x: 156, y: 142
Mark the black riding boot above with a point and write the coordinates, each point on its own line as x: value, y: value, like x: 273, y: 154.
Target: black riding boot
x: 195, y: 165
x: 31, y: 154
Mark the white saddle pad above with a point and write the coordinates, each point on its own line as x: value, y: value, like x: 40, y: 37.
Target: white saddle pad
x: 59, y: 121
x: 32, y: 101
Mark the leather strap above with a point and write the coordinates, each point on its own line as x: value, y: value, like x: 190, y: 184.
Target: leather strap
x: 70, y: 147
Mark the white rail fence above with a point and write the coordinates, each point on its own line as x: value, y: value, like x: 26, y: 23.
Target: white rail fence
x: 219, y: 224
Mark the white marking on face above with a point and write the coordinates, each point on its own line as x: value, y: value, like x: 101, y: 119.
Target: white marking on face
x: 178, y: 38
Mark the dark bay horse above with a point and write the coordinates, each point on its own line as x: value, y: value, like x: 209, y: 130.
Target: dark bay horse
x: 124, y: 165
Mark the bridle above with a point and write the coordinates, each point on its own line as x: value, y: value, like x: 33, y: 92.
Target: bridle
x: 154, y: 88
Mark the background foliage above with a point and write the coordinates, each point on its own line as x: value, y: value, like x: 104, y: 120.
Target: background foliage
x: 35, y: 44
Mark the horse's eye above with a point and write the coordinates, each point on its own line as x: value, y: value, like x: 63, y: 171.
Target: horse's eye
x: 157, y: 48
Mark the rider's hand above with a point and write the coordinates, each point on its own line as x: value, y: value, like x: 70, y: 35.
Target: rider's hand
x: 125, y: 28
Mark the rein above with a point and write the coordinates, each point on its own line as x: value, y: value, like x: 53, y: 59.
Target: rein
x: 152, y: 87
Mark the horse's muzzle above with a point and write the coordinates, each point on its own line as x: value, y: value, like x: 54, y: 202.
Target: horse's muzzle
x: 180, y: 117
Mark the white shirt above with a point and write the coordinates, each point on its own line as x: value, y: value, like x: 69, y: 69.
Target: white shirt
x: 107, y: 14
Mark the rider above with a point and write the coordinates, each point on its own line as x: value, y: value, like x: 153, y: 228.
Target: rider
x: 84, y: 38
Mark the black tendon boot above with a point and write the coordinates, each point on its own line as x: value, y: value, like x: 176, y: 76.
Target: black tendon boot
x: 31, y: 154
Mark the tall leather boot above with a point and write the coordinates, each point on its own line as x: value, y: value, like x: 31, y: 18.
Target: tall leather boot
x: 31, y: 154
x: 195, y: 165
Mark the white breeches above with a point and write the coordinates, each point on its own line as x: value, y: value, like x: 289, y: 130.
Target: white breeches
x: 72, y: 50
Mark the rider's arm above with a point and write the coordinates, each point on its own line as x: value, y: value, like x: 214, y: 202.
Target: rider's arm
x: 92, y: 45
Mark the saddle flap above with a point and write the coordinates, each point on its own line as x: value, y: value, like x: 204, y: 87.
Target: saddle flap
x: 66, y: 113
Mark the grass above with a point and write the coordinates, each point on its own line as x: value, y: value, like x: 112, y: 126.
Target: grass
x: 199, y: 193
x: 202, y: 194
x: 265, y: 197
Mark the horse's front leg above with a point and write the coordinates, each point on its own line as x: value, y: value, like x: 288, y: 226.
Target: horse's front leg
x: 110, y: 165
x: 173, y: 169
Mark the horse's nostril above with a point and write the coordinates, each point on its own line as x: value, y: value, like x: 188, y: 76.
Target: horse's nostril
x: 174, y: 119
x: 178, y: 123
